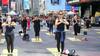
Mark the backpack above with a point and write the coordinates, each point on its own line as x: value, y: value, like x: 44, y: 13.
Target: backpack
x: 26, y: 37
x: 71, y: 52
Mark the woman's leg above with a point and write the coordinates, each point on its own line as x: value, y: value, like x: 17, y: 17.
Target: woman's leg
x: 62, y: 42
x: 58, y: 41
x: 0, y: 34
x: 62, y: 47
x: 58, y: 45
x: 11, y: 42
x: 8, y: 42
x: 38, y: 33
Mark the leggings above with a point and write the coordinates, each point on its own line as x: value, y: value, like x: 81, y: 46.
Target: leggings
x: 9, y: 39
x: 0, y: 34
x: 37, y: 31
x: 50, y: 27
x: 24, y: 30
x: 59, y: 42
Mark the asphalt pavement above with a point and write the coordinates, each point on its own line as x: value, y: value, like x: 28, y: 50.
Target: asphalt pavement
x: 46, y: 46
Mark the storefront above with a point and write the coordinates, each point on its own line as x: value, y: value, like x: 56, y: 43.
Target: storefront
x: 89, y: 8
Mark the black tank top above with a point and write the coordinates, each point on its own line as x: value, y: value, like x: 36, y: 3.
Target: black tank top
x: 60, y: 27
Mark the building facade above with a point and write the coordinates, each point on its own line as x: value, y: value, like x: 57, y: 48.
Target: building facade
x: 89, y: 8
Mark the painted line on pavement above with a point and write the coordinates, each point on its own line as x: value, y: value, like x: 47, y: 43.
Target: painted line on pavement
x: 73, y: 39
x: 49, y: 34
x: 2, y: 41
x: 44, y: 30
x: 96, y: 29
x: 54, y: 51
x: 98, y: 32
x: 5, y: 52
x: 36, y: 40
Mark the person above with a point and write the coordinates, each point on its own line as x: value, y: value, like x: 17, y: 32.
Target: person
x: 36, y: 22
x: 60, y: 34
x: 1, y: 29
x: 28, y: 22
x: 88, y: 21
x: 68, y: 20
x: 76, y: 25
x: 24, y: 24
x: 50, y: 24
x: 9, y: 34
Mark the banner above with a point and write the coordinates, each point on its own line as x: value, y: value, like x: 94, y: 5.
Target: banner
x: 13, y: 5
x: 26, y: 4
x: 5, y: 2
x: 54, y: 1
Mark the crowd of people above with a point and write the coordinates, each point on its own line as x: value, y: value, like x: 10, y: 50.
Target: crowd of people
x: 59, y: 20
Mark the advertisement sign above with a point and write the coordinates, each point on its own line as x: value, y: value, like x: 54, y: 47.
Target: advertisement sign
x: 13, y: 4
x: 26, y: 4
x: 68, y: 7
x: 5, y: 2
x: 58, y: 7
x: 54, y: 1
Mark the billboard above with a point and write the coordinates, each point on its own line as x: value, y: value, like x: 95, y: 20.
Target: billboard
x: 57, y: 7
x: 26, y: 4
x: 54, y: 2
x: 13, y: 5
x: 5, y: 2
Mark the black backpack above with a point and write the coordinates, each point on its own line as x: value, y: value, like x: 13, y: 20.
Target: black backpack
x: 26, y: 37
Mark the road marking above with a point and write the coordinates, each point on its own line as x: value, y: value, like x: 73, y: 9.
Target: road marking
x: 2, y: 41
x: 5, y: 52
x: 36, y: 40
x: 43, y: 30
x: 97, y: 29
x: 3, y: 34
x: 85, y: 29
x: 54, y: 51
x: 98, y: 32
x: 73, y: 39
x: 66, y: 30
x: 49, y: 34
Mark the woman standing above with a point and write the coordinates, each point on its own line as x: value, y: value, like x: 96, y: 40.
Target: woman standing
x: 60, y: 34
x: 9, y: 34
x: 28, y: 22
x: 36, y: 22
x: 76, y: 26
x: 24, y: 24
x: 1, y: 29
